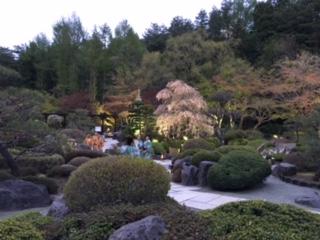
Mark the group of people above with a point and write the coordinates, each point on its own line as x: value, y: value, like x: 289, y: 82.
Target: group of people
x: 136, y: 147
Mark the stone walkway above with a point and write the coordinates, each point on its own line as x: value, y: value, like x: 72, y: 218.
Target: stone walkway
x: 273, y: 190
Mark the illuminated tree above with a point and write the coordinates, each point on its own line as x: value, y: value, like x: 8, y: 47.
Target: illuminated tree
x: 182, y: 111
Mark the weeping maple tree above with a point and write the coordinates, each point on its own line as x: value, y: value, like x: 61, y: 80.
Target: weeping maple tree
x: 182, y: 111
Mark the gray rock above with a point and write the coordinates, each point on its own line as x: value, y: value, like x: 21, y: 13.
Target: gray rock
x: 55, y: 121
x: 203, y: 172
x: 284, y: 169
x: 309, y: 201
x: 177, y: 168
x: 189, y: 175
x: 19, y: 194
x: 58, y: 208
x: 149, y: 228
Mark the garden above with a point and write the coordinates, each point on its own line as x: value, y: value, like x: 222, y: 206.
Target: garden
x: 203, y: 131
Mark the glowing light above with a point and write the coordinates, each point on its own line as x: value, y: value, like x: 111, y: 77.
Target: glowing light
x: 155, y: 140
x: 185, y: 138
x: 161, y: 156
x: 275, y: 136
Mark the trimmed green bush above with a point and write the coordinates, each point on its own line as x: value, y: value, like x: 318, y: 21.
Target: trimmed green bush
x: 233, y: 134
x: 18, y: 230
x: 158, y: 148
x: 28, y: 171
x: 205, y: 155
x: 116, y: 179
x: 229, y: 148
x: 40, y: 162
x: 50, y: 183
x: 253, y: 134
x: 64, y: 170
x: 259, y: 220
x: 98, y: 224
x: 78, y: 161
x: 187, y: 153
x: 238, y: 170
x: 198, y: 143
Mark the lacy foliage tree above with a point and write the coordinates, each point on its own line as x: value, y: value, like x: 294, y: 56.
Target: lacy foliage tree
x: 182, y: 111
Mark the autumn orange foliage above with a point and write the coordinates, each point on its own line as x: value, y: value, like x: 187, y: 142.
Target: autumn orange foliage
x: 94, y: 141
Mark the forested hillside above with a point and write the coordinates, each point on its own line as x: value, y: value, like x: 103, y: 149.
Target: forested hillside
x: 254, y: 52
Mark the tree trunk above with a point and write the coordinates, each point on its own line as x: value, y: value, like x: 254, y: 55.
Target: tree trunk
x: 9, y: 159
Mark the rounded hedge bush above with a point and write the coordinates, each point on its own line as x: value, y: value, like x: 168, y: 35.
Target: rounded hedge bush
x: 158, y: 148
x: 229, y: 148
x: 116, y: 179
x: 187, y: 153
x: 205, y: 155
x: 262, y: 221
x: 50, y: 183
x: 238, y: 170
x: 41, y: 162
x: 5, y: 175
x: 198, y: 143
x: 61, y: 171
x: 234, y: 134
x: 78, y: 161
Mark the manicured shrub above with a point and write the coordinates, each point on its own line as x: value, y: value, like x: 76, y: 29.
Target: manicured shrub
x: 116, y: 179
x: 61, y: 171
x: 5, y: 175
x: 83, y: 153
x: 158, y: 148
x: 181, y: 223
x: 18, y: 230
x: 256, y: 143
x: 262, y: 220
x: 198, y: 143
x: 187, y: 153
x: 40, y: 162
x: 238, y: 141
x: 50, y: 183
x: 205, y: 155
x: 233, y: 134
x: 229, y: 148
x: 28, y: 171
x: 253, y: 134
x: 78, y: 161
x: 238, y: 170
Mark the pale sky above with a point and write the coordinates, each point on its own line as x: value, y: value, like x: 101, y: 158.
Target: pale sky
x: 22, y: 20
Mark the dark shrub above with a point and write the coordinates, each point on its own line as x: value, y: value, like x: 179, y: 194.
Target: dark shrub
x: 158, y: 148
x: 187, y: 153
x: 262, y: 220
x: 116, y: 179
x: 75, y: 134
x: 61, y: 171
x: 253, y: 134
x: 40, y: 162
x: 5, y: 175
x: 78, y: 161
x: 238, y: 170
x: 181, y: 223
x: 229, y: 148
x: 301, y: 160
x: 84, y: 153
x: 233, y: 134
x: 198, y: 143
x: 205, y: 155
x: 28, y: 171
x: 50, y: 183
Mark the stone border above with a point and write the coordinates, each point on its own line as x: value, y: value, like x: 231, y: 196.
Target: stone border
x: 299, y: 182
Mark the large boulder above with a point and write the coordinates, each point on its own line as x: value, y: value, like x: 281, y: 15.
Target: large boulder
x: 58, y: 208
x: 284, y: 169
x: 149, y: 228
x: 19, y: 194
x: 177, y: 168
x: 189, y: 175
x: 309, y: 201
x: 203, y: 172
